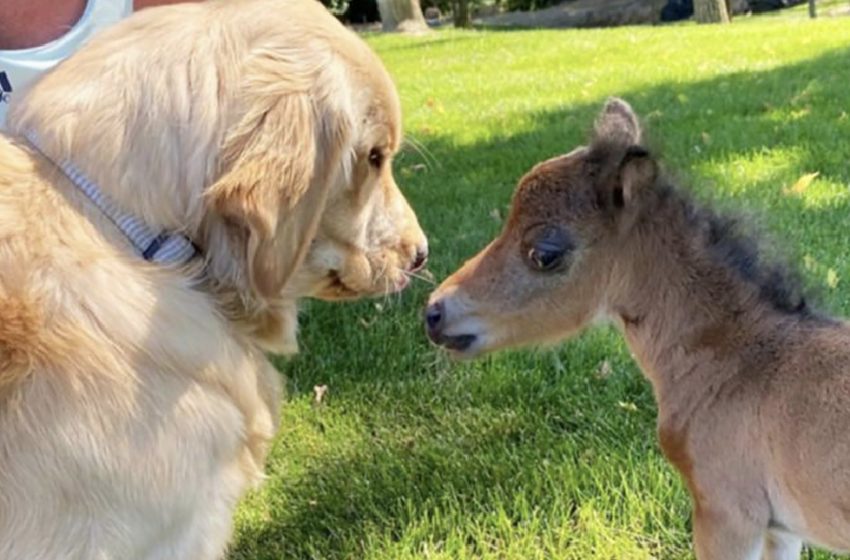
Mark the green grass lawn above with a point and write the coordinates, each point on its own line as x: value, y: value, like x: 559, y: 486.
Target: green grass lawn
x: 543, y: 453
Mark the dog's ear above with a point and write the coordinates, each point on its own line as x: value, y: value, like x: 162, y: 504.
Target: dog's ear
x: 276, y: 184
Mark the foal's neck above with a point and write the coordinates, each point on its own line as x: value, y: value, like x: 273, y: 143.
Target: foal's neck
x: 689, y: 318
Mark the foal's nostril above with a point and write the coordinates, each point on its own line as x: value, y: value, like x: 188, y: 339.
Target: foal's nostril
x: 420, y: 260
x: 434, y: 317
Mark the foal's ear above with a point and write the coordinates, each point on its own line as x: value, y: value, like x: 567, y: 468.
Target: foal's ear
x: 617, y: 124
x: 623, y: 166
x: 621, y: 174
x: 637, y: 171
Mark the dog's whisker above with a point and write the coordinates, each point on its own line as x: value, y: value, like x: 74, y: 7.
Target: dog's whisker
x: 422, y: 150
x: 422, y: 277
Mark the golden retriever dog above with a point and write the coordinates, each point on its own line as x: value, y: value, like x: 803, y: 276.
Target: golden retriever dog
x: 752, y: 384
x: 136, y: 400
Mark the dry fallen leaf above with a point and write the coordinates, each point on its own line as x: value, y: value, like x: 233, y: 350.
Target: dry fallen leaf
x: 802, y: 183
x: 557, y: 363
x: 631, y: 407
x: 436, y: 105
x: 832, y: 278
x: 496, y: 215
x: 319, y: 393
x: 604, y: 370
x: 809, y: 262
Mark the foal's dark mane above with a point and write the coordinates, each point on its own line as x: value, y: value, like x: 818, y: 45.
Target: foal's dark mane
x: 732, y: 244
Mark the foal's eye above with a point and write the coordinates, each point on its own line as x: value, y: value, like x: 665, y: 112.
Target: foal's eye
x: 376, y: 158
x: 549, y: 249
x: 545, y: 259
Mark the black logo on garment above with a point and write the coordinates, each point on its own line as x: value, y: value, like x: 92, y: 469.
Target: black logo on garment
x: 5, y: 87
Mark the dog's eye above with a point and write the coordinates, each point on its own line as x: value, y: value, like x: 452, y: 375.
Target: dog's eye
x: 549, y: 249
x: 376, y: 158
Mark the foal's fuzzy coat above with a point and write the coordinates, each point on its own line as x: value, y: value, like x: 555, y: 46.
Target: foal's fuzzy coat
x: 753, y: 388
x: 136, y: 403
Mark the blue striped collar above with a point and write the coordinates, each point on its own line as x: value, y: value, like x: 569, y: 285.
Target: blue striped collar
x: 158, y: 247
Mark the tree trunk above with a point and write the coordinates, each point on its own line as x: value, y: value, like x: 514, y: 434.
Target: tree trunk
x: 461, y: 13
x: 813, y: 11
x: 402, y: 15
x: 711, y: 11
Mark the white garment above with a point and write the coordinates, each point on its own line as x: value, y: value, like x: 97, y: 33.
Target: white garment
x: 19, y: 68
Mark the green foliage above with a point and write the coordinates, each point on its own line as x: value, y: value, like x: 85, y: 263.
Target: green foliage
x: 550, y: 453
x: 336, y: 7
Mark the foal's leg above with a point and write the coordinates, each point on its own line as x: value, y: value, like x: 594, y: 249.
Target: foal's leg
x: 724, y: 535
x: 782, y: 546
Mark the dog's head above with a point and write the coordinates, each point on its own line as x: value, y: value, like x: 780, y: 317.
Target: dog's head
x: 263, y: 129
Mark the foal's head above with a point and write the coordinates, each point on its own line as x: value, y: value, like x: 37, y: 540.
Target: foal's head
x: 546, y: 276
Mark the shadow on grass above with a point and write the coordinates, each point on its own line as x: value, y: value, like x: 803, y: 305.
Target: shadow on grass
x: 418, y: 472
x: 740, y: 139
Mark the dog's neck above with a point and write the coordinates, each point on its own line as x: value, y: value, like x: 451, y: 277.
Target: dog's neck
x: 271, y: 325
x: 163, y: 196
x: 158, y: 246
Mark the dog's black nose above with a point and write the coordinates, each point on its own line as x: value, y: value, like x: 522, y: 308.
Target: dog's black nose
x: 434, y: 319
x: 420, y: 259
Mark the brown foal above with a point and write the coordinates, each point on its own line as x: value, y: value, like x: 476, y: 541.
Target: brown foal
x: 753, y: 387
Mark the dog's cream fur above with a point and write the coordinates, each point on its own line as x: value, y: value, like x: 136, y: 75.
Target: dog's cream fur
x: 136, y: 402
